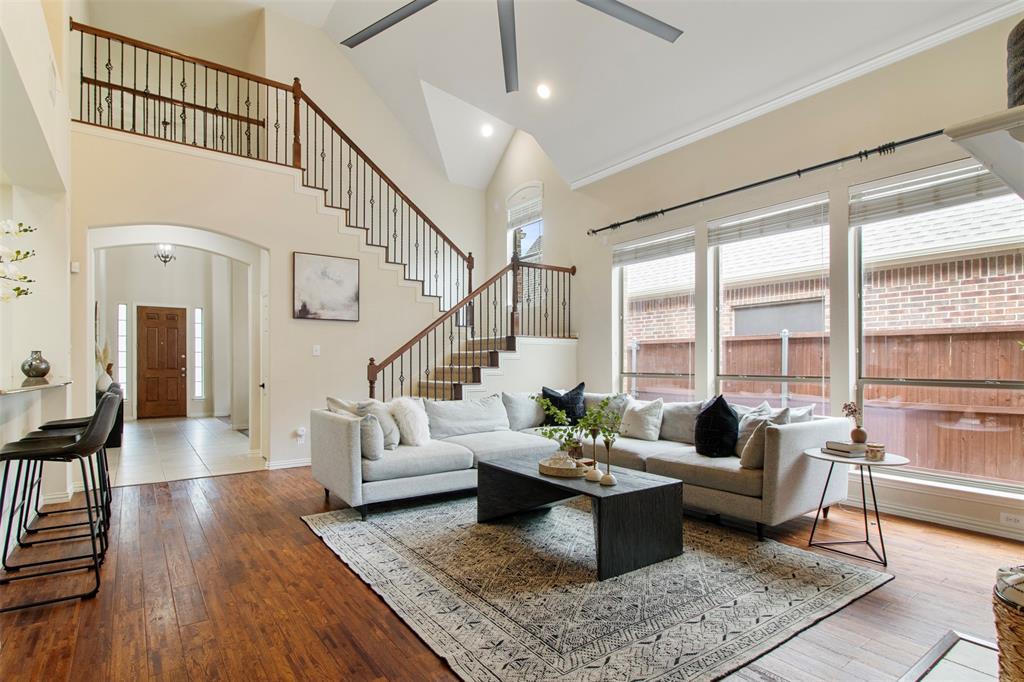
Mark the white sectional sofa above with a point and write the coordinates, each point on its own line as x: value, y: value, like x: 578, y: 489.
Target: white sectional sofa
x: 789, y: 484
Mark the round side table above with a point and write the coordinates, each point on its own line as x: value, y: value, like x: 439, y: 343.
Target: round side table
x: 890, y: 460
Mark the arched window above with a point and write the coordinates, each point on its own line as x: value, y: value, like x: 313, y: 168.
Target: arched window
x: 526, y: 223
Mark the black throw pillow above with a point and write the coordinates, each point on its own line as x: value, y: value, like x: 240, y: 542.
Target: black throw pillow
x: 717, y: 429
x: 570, y: 402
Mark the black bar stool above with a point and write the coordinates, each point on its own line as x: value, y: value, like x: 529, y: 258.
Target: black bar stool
x: 30, y: 452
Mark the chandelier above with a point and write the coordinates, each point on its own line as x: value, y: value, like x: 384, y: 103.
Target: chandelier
x: 164, y: 253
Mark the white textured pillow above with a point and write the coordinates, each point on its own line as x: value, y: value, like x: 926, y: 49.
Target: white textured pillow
x: 375, y: 407
x: 679, y: 422
x: 800, y: 414
x: 458, y: 417
x: 752, y: 454
x: 413, y: 423
x: 642, y: 420
x: 371, y: 437
x: 523, y: 411
x: 748, y: 422
x: 617, y: 401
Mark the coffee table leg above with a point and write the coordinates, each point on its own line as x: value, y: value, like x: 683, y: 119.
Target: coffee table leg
x: 636, y: 530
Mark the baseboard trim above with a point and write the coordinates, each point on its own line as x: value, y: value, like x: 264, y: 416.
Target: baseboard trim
x: 973, y: 510
x: 288, y: 463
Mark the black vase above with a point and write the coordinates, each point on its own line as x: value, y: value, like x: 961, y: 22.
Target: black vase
x: 35, y: 366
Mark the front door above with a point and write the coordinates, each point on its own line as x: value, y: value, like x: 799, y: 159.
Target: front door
x: 161, y: 380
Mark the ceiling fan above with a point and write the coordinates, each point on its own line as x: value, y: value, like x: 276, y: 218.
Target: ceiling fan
x: 507, y: 28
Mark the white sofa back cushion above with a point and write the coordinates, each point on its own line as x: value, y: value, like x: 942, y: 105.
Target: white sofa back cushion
x: 411, y: 417
x: 459, y: 417
x: 642, y: 420
x: 679, y: 422
x: 382, y: 411
x: 617, y: 401
x: 522, y: 411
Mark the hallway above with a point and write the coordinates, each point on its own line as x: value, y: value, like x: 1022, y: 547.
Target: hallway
x: 157, y: 450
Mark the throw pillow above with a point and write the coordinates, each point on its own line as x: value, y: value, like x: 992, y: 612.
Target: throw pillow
x: 642, y: 420
x: 800, y: 414
x: 678, y: 421
x: 413, y: 423
x: 375, y: 407
x: 523, y: 411
x: 748, y: 422
x: 752, y: 454
x: 570, y: 402
x: 458, y: 417
x: 617, y: 403
x: 717, y: 429
x: 371, y: 437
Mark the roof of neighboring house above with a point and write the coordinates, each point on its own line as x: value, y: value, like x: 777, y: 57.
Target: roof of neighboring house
x: 990, y: 224
x: 535, y: 249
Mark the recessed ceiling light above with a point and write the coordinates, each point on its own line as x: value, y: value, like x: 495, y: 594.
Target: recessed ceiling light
x: 487, y: 130
x: 543, y: 91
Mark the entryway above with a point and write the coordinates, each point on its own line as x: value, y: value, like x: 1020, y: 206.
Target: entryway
x: 162, y: 357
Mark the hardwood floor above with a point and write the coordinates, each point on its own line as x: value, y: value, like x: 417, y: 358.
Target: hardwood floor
x: 219, y: 579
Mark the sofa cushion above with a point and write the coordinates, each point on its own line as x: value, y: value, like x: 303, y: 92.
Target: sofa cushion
x: 632, y: 453
x: 456, y: 417
x: 642, y: 420
x: 679, y: 421
x: 617, y: 401
x: 533, y: 431
x: 570, y: 402
x: 361, y: 408
x: 523, y: 411
x: 798, y: 415
x: 749, y: 421
x: 435, y: 457
x: 719, y: 473
x: 412, y: 420
x: 371, y: 437
x: 717, y: 428
x: 497, y: 444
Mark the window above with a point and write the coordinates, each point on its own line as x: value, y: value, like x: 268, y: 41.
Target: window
x: 122, y: 348
x: 197, y: 323
x: 657, y: 320
x: 526, y: 224
x: 941, y: 314
x: 773, y: 305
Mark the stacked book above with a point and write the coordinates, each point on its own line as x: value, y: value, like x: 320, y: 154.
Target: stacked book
x: 841, y: 448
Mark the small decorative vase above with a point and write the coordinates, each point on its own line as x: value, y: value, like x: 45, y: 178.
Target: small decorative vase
x: 608, y: 478
x: 35, y: 366
x: 859, y: 435
x: 875, y: 452
x: 575, y: 451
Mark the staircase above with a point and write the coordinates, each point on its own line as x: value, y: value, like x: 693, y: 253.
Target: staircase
x: 143, y: 89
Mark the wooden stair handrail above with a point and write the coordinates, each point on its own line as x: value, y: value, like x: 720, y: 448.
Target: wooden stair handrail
x: 374, y: 367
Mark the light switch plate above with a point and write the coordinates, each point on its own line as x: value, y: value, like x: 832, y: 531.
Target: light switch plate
x: 316, y: 350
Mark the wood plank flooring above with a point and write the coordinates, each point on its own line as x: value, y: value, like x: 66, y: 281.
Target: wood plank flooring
x: 219, y: 579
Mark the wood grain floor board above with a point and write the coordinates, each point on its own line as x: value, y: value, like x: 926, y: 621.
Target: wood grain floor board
x: 219, y: 579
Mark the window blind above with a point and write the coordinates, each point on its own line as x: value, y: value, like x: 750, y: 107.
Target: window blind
x: 524, y: 213
x: 812, y: 212
x: 941, y: 187
x: 653, y: 249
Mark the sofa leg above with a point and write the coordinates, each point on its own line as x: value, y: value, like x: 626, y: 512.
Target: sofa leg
x: 760, y: 531
x: 824, y: 512
x: 362, y: 511
x: 327, y: 495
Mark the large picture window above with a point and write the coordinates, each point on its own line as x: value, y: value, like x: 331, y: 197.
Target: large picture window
x: 526, y: 224
x: 941, y: 318
x: 657, y: 317
x: 773, y: 305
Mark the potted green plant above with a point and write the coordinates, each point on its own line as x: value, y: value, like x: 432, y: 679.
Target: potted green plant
x: 611, y: 420
x: 565, y: 434
x: 591, y: 424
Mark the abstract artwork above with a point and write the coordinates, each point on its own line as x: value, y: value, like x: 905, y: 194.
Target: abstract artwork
x: 325, y: 287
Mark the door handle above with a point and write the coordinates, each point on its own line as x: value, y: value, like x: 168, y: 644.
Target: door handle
x: 263, y: 385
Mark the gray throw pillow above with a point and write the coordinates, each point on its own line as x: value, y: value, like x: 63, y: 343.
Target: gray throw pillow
x: 375, y: 407
x: 752, y: 453
x: 642, y: 420
x: 679, y: 421
x: 458, y: 417
x: 371, y: 437
x: 617, y: 403
x: 748, y: 422
x: 799, y: 414
x: 523, y: 411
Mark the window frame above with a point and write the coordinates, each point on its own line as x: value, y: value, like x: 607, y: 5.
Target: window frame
x: 198, y: 354
x: 123, y: 370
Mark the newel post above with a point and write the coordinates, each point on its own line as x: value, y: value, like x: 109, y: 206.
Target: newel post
x: 516, y: 294
x: 296, y: 141
x: 371, y: 376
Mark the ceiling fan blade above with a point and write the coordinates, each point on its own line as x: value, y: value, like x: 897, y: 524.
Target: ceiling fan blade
x: 507, y: 29
x: 381, y: 25
x: 635, y: 17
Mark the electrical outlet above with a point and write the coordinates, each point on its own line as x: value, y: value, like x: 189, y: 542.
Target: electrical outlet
x: 316, y: 350
x: 1014, y: 520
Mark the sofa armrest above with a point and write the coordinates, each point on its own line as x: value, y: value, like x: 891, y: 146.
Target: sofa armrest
x: 336, y: 454
x: 793, y: 481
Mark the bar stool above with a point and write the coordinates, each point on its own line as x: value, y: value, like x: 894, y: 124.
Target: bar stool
x: 67, y: 449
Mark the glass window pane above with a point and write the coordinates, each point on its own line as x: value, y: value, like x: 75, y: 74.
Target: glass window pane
x: 943, y: 293
x: 670, y: 389
x: 972, y: 432
x: 658, y: 316
x: 122, y: 327
x: 778, y: 395
x: 199, y: 316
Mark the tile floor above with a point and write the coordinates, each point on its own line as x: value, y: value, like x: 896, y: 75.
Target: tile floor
x: 155, y: 450
x: 965, y: 662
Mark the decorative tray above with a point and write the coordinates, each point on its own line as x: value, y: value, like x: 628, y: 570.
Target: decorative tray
x: 558, y: 466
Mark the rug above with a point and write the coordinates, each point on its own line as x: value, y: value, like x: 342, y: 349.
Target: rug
x: 519, y: 600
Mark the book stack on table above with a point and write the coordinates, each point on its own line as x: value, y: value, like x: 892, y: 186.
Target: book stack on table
x: 845, y: 448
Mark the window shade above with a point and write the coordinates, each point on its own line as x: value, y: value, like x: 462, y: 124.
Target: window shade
x: 810, y: 213
x: 524, y: 213
x: 652, y: 249
x: 944, y: 187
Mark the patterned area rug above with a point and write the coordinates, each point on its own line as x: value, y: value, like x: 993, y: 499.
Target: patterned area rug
x: 519, y: 600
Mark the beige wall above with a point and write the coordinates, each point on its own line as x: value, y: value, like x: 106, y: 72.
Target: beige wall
x: 260, y: 204
x: 956, y: 81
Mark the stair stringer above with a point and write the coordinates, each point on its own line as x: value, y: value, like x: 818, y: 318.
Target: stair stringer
x: 535, y: 362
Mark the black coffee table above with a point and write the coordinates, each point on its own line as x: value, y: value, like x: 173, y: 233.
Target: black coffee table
x: 636, y: 523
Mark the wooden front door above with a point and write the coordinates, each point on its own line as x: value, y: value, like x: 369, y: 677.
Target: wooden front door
x: 161, y: 380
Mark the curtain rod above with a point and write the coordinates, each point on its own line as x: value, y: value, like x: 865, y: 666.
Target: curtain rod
x: 880, y: 150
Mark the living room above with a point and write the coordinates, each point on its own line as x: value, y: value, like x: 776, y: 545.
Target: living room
x: 570, y: 360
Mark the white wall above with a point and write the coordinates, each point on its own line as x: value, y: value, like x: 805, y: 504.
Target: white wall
x: 195, y: 279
